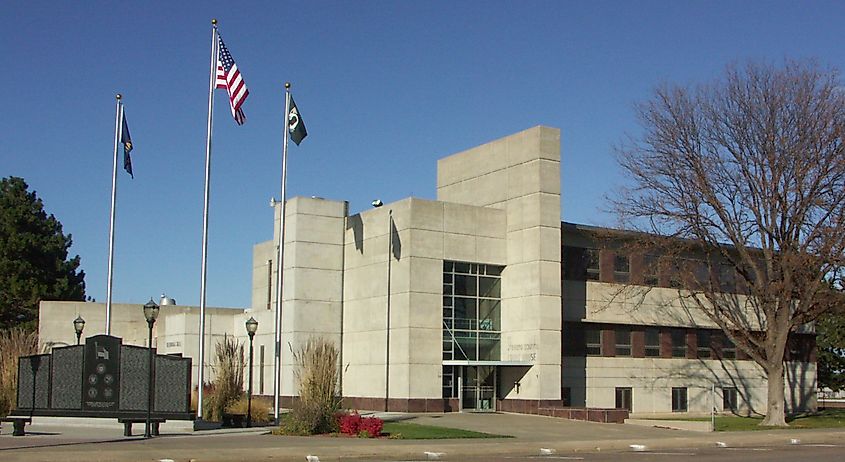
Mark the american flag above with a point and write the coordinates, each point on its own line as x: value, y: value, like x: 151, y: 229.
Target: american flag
x: 229, y: 77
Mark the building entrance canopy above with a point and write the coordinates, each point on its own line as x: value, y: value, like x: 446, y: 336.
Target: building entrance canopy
x: 462, y: 362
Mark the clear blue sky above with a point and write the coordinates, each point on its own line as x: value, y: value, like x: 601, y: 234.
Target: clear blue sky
x: 385, y: 88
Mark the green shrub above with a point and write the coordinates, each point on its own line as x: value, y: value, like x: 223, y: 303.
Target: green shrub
x: 14, y: 342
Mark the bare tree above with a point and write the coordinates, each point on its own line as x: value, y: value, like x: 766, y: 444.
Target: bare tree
x: 752, y: 168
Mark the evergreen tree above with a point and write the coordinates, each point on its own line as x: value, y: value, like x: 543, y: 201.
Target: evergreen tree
x: 34, y: 262
x: 831, y: 350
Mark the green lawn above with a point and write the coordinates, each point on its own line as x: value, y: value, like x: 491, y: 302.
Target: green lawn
x: 410, y: 431
x: 830, y: 418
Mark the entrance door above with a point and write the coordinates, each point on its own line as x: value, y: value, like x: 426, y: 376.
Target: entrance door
x: 479, y: 388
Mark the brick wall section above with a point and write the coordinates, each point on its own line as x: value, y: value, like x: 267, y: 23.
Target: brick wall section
x: 608, y: 341
x: 393, y: 404
x: 692, y: 344
x: 554, y: 408
x: 637, y: 268
x: 638, y: 343
x: 606, y: 265
x: 665, y: 343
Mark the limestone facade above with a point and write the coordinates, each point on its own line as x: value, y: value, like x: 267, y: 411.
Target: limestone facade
x: 375, y: 283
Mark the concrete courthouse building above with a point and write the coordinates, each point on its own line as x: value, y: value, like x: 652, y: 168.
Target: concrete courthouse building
x: 482, y: 299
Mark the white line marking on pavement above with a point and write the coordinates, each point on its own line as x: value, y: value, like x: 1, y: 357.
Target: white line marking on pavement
x: 546, y: 457
x: 667, y: 453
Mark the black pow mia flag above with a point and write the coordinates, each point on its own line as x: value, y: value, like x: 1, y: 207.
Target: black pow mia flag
x: 296, y: 127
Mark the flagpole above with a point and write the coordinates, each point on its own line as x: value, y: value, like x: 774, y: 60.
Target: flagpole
x: 203, y: 270
x: 118, y: 122
x: 277, y: 362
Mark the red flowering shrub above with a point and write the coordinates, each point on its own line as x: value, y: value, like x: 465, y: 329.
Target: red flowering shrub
x: 349, y: 423
x: 354, y: 424
x: 372, y: 425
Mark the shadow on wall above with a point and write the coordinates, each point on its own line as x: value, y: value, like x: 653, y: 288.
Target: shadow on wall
x: 799, y: 377
x: 721, y: 373
x: 356, y: 224
x: 509, y: 381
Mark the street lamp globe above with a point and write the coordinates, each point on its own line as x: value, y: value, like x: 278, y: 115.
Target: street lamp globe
x: 151, y: 311
x: 78, y: 325
x: 251, y: 326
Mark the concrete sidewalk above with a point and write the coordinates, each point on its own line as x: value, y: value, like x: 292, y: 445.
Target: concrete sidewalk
x: 529, y: 434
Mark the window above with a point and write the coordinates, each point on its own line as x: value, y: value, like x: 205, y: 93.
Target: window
x: 623, y: 398
x: 679, y: 399
x: 700, y: 274
x: 727, y: 278
x: 591, y: 260
x: 703, y: 344
x: 652, y: 343
x: 674, y: 268
x: 679, y: 344
x: 623, y: 341
x: 449, y: 382
x: 592, y: 335
x: 471, y: 312
x: 728, y: 347
x: 650, y: 270
x: 729, y: 399
x: 621, y: 268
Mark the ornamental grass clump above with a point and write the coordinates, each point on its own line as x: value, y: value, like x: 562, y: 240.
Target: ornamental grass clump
x: 317, y: 374
x: 261, y: 408
x: 14, y: 342
x: 228, y: 384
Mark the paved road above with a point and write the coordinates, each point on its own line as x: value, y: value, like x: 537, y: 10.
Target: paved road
x: 815, y: 452
x: 569, y: 439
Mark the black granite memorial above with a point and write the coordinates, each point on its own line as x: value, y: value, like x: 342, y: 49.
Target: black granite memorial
x: 103, y: 378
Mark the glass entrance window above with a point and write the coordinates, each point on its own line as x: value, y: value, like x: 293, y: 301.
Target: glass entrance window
x: 479, y: 388
x: 472, y: 302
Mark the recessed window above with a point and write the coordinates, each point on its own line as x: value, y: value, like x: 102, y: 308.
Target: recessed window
x: 591, y: 260
x: 679, y: 344
x: 703, y: 344
x: 652, y: 343
x: 728, y: 347
x: 623, y: 398
x: 623, y: 342
x: 679, y: 399
x: 621, y: 268
x: 674, y: 267
x: 729, y: 399
x: 727, y: 278
x: 592, y: 335
x: 650, y: 270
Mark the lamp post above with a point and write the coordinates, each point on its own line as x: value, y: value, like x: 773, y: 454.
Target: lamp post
x: 376, y: 204
x: 150, y: 313
x: 78, y: 325
x: 251, y: 327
